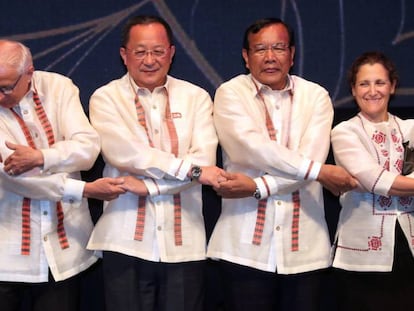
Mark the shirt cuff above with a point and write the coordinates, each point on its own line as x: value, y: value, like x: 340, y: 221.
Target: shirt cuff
x: 73, y: 192
x: 309, y: 170
x: 50, y: 157
x: 152, y: 187
x: 180, y: 169
x: 267, y: 186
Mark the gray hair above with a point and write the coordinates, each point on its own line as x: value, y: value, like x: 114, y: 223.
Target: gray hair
x: 16, y: 55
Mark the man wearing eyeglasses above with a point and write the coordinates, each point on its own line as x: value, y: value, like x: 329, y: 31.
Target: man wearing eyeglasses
x: 273, y: 127
x: 45, y: 141
x: 157, y: 132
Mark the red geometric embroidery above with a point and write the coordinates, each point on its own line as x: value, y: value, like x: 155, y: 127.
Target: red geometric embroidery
x: 374, y: 243
x: 379, y: 137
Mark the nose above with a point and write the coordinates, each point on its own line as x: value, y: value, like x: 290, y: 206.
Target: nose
x: 372, y: 89
x: 269, y: 55
x: 149, y: 58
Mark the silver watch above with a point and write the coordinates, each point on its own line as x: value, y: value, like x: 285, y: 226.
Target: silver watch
x: 256, y: 194
x: 196, y: 172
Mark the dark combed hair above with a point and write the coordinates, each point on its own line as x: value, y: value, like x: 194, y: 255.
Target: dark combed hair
x: 372, y: 57
x: 265, y: 22
x: 144, y: 20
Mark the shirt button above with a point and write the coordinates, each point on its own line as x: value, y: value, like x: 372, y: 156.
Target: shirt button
x: 277, y: 228
x: 156, y: 131
x: 71, y: 201
x: 45, y: 238
x: 45, y: 213
x: 159, y: 228
x: 279, y: 203
x: 154, y: 107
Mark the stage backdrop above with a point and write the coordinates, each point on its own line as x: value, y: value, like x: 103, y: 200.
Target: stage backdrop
x: 81, y: 39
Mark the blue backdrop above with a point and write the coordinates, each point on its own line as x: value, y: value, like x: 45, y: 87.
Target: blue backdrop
x: 81, y: 39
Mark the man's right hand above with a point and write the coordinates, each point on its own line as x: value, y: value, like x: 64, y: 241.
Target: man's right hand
x: 105, y: 189
x: 336, y: 179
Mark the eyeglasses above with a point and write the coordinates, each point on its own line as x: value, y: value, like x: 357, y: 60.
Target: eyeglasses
x: 7, y: 90
x: 140, y: 53
x: 276, y: 48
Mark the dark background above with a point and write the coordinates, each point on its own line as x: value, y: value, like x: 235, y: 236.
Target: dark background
x: 81, y: 38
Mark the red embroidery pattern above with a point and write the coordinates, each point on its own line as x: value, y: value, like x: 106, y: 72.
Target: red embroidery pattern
x: 374, y: 243
x: 378, y: 137
x: 261, y: 206
x: 140, y: 221
x: 26, y: 231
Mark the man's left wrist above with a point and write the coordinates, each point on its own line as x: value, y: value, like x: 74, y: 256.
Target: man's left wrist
x: 195, y: 172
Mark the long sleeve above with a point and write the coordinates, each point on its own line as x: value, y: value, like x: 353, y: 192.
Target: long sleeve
x: 240, y: 123
x: 125, y: 143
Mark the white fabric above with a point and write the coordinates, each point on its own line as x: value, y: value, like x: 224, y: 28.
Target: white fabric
x: 365, y: 234
x: 240, y: 121
x: 76, y: 148
x: 126, y: 150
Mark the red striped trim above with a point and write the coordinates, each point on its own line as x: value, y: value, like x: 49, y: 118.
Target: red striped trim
x: 26, y: 234
x: 309, y: 170
x: 63, y: 240
x: 140, y: 223
x: 141, y: 118
x: 261, y: 209
x: 26, y: 231
x: 260, y: 221
x: 295, y: 221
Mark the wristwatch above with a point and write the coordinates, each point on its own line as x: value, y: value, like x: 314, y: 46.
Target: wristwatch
x: 195, y: 172
x: 256, y: 194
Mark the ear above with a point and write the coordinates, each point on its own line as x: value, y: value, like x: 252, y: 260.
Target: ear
x: 122, y: 52
x: 393, y: 86
x: 172, y: 52
x: 30, y: 71
x: 246, y: 58
x: 292, y: 55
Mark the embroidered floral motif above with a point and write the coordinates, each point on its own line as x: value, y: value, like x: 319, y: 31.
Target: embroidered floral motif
x: 379, y: 137
x: 399, y: 165
x: 384, y: 201
x: 394, y: 136
x: 385, y: 153
x: 405, y: 201
x: 374, y: 243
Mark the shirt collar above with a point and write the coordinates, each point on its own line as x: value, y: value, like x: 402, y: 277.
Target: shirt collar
x: 261, y: 87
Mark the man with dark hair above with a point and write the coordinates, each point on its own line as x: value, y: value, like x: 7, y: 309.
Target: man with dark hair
x: 274, y: 131
x: 157, y: 131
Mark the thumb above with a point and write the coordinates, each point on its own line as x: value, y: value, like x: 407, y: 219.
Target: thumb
x: 10, y: 145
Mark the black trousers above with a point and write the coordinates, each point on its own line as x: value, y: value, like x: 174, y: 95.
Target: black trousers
x: 366, y: 291
x: 133, y: 284
x: 48, y: 296
x: 248, y: 289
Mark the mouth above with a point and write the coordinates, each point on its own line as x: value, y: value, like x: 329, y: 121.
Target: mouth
x: 271, y: 70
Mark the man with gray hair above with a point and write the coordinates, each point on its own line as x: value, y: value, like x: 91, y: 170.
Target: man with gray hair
x: 45, y: 141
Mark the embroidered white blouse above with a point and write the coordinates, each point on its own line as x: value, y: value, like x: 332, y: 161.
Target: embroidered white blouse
x: 373, y: 153
x: 303, y: 123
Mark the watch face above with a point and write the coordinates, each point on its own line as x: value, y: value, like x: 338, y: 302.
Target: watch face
x: 257, y: 194
x: 195, y: 172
